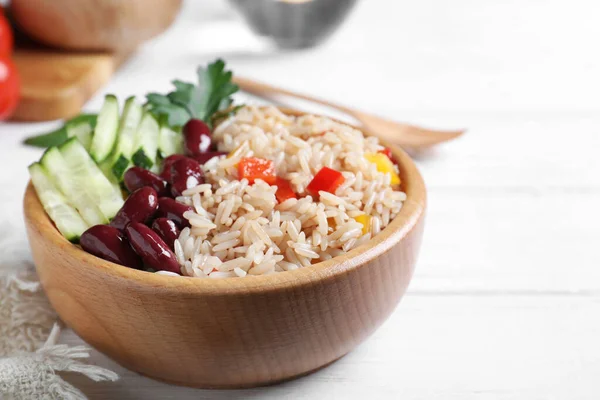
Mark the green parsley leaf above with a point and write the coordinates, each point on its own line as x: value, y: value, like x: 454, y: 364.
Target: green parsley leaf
x: 211, y: 95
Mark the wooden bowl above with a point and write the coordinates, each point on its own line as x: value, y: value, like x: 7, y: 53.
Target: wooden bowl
x: 111, y: 25
x: 235, y: 332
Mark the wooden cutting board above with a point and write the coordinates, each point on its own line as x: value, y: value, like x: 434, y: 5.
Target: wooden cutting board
x: 56, y: 84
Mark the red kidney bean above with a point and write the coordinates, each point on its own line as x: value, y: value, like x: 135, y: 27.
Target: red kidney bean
x: 173, y: 210
x: 140, y: 206
x: 110, y: 244
x: 137, y: 177
x: 153, y: 250
x: 185, y: 171
x: 197, y: 137
x: 166, y: 167
x: 167, y: 230
x: 204, y: 157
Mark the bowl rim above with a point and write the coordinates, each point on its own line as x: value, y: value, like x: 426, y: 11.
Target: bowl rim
x: 412, y: 211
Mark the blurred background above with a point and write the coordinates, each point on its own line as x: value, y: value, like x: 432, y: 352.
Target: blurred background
x: 433, y: 56
x: 507, y: 286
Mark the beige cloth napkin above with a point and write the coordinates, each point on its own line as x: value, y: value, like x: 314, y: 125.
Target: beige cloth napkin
x: 30, y: 358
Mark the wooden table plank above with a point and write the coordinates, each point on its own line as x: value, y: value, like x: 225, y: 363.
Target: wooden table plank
x: 510, y: 241
x: 504, y: 301
x: 436, y: 347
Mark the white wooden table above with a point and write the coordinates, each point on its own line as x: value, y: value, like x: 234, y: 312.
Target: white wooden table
x: 505, y: 303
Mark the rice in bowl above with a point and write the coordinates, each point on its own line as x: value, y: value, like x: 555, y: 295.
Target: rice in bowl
x: 239, y: 229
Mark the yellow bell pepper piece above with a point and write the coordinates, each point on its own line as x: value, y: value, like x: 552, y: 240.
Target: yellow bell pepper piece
x: 384, y: 164
x: 235, y: 152
x: 232, y: 152
x: 365, y: 220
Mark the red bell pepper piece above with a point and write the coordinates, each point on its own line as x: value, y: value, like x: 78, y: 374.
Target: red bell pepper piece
x: 326, y: 179
x: 388, y: 152
x: 253, y: 168
x: 284, y: 190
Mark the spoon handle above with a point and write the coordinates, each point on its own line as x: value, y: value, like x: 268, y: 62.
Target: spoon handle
x: 405, y: 135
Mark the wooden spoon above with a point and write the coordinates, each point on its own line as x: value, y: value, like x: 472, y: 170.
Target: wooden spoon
x: 395, y: 132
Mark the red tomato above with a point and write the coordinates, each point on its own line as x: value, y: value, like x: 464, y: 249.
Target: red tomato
x: 6, y: 36
x: 9, y: 87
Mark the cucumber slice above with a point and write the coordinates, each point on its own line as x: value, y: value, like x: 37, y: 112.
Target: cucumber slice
x: 82, y: 131
x: 106, y: 168
x: 73, y: 184
x: 105, y: 134
x: 170, y: 141
x: 146, y: 142
x: 90, y: 119
x: 106, y: 197
x: 130, y: 120
x: 65, y: 216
